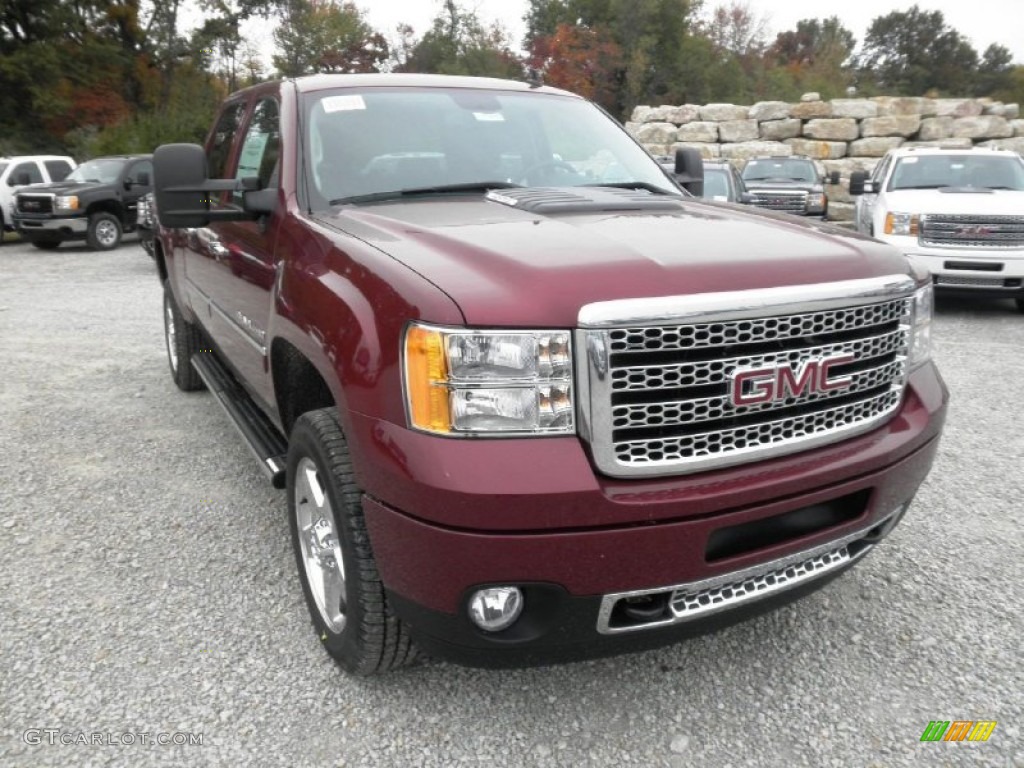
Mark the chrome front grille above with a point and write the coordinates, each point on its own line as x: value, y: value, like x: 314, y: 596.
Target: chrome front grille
x: 33, y: 204
x: 663, y: 396
x: 785, y: 201
x: 972, y: 231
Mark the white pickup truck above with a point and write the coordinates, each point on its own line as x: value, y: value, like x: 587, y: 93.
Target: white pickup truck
x: 957, y: 212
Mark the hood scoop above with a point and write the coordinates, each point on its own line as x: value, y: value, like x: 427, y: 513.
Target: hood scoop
x: 548, y: 200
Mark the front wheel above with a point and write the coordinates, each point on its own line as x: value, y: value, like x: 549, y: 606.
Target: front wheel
x: 1020, y: 305
x: 339, y: 577
x: 104, y: 232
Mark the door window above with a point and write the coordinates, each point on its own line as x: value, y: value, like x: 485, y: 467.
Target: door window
x: 29, y: 169
x: 261, y: 148
x: 219, y: 152
x: 58, y: 169
x: 141, y: 172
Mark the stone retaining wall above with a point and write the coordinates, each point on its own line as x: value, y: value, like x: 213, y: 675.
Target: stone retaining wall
x: 845, y: 134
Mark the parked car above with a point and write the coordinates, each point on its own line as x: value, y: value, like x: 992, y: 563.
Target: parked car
x: 25, y: 170
x: 97, y: 202
x: 146, y: 222
x: 957, y: 212
x: 791, y: 184
x: 529, y: 401
x: 722, y: 182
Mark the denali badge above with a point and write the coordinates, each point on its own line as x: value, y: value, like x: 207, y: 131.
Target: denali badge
x: 751, y: 386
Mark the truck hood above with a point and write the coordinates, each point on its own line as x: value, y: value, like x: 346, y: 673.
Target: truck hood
x: 66, y: 187
x: 983, y: 202
x: 505, y: 266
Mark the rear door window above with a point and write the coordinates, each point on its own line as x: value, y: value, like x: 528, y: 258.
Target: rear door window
x: 58, y: 169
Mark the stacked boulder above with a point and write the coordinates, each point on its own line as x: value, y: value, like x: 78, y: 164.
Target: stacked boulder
x: 846, y: 135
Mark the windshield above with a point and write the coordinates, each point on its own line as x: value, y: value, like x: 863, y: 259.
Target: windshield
x: 379, y: 141
x: 104, y: 170
x: 780, y: 168
x: 716, y: 184
x: 961, y: 171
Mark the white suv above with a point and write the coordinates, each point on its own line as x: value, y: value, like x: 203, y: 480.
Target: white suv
x: 18, y: 172
x: 957, y: 212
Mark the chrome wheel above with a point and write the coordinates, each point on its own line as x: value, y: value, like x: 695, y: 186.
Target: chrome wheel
x: 107, y: 233
x: 171, y: 335
x: 322, y: 558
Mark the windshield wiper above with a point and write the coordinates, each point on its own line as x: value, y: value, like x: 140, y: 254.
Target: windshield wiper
x: 397, y: 194
x: 654, y: 188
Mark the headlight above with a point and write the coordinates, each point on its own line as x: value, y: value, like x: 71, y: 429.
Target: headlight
x: 816, y: 201
x: 902, y: 224
x: 921, y: 328
x: 461, y: 382
x: 66, y: 203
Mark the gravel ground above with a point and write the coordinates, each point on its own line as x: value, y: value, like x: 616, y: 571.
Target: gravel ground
x: 147, y: 586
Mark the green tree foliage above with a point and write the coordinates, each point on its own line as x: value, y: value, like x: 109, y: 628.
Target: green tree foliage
x: 655, y: 37
x: 914, y: 52
x: 816, y: 56
x: 326, y: 36
x: 458, y: 44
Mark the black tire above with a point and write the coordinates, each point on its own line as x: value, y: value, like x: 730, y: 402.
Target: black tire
x: 182, y: 340
x: 1020, y: 305
x: 104, y: 233
x: 46, y: 245
x: 369, y: 639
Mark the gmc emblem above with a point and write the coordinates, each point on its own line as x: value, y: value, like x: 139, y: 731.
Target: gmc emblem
x: 751, y: 386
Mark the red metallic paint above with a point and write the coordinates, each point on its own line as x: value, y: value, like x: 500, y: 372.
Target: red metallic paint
x: 434, y: 566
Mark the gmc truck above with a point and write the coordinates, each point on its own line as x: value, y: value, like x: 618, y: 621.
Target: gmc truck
x: 791, y: 184
x: 959, y: 213
x: 530, y: 400
x: 96, y: 202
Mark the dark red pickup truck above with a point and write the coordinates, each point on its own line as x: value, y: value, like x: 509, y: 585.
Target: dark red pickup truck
x: 531, y: 400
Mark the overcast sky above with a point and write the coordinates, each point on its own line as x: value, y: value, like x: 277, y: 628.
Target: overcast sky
x: 982, y: 21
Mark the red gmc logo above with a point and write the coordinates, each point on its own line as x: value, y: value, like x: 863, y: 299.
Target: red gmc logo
x: 751, y: 386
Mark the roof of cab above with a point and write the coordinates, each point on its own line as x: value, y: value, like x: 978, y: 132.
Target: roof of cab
x: 310, y: 83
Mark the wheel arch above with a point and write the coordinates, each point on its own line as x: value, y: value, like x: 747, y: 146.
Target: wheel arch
x: 299, y: 386
x: 112, y: 207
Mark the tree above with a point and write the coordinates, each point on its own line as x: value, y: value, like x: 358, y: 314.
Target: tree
x: 458, y: 44
x: 913, y: 52
x: 580, y: 59
x: 995, y: 72
x: 816, y: 56
x: 327, y: 36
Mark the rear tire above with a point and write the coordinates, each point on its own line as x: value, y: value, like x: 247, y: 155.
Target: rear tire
x: 1020, y: 305
x: 104, y: 233
x: 182, y: 340
x: 344, y: 593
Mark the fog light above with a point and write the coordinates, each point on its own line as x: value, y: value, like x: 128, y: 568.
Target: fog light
x: 495, y: 608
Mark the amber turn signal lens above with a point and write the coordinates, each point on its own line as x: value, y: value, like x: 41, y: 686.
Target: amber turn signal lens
x: 426, y: 375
